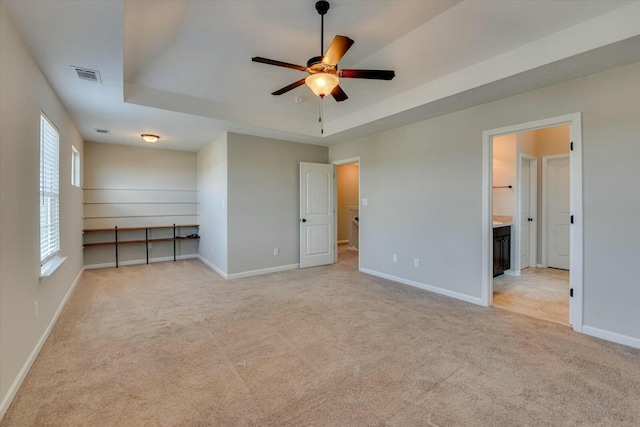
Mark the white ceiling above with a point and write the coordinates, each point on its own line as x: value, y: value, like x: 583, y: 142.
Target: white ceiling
x: 182, y: 69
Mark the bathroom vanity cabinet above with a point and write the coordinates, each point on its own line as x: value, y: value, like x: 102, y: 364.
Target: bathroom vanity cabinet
x: 501, y: 249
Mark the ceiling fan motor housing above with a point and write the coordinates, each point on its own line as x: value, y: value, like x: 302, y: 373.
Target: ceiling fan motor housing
x: 315, y: 65
x: 322, y: 7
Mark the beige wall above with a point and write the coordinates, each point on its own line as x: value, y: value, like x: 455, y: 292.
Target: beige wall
x: 25, y: 93
x: 347, y: 185
x: 264, y: 200
x: 504, y: 174
x: 127, y: 186
x: 423, y: 183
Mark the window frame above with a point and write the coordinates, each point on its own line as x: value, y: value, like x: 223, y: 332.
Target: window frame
x: 49, y: 190
x: 75, y: 167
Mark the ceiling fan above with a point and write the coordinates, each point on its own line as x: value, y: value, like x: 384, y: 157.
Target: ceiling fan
x: 324, y: 75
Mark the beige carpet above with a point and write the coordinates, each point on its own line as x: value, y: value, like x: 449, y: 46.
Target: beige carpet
x: 173, y: 344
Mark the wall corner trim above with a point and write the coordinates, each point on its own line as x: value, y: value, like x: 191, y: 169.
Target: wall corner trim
x: 17, y: 382
x: 611, y: 336
x: 213, y: 267
x: 423, y: 286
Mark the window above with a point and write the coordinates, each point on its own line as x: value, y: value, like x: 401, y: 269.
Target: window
x: 75, y: 167
x: 49, y: 190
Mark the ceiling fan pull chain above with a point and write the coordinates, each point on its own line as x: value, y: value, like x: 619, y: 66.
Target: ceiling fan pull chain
x: 321, y: 118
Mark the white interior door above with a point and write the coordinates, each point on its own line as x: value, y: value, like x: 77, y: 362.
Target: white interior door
x: 528, y: 221
x: 317, y: 245
x: 558, y: 212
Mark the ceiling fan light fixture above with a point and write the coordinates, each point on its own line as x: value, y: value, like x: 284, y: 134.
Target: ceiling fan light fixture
x: 322, y: 83
x: 150, y: 138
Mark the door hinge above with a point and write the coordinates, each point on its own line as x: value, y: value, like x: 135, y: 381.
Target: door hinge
x: 571, y: 219
x: 571, y: 292
x: 571, y: 146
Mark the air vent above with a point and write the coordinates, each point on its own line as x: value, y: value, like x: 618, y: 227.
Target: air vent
x: 105, y: 131
x: 87, y: 74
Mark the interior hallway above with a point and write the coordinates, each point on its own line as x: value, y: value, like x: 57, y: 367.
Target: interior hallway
x: 174, y: 344
x: 539, y: 292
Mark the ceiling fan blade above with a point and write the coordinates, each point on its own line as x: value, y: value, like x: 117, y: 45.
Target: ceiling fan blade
x: 338, y: 94
x: 367, y: 74
x: 288, y: 88
x: 278, y: 63
x: 339, y: 46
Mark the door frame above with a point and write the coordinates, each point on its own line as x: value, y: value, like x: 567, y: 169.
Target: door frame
x: 576, y: 235
x: 533, y: 209
x: 347, y: 161
x: 545, y: 195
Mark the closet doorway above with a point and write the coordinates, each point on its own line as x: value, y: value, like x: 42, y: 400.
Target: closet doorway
x: 348, y: 212
x: 535, y: 191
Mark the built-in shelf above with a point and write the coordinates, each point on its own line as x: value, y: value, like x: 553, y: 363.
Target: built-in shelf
x: 145, y: 241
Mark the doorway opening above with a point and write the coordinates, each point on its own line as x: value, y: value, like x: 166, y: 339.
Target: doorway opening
x: 532, y: 278
x: 348, y: 212
x: 532, y: 208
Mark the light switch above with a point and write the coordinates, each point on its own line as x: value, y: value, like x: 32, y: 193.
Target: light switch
x: 365, y: 202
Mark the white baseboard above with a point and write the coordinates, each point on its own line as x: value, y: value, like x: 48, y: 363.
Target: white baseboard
x: 434, y: 289
x: 17, y: 382
x: 213, y: 267
x: 611, y: 336
x: 263, y: 271
x: 511, y: 273
x: 139, y: 261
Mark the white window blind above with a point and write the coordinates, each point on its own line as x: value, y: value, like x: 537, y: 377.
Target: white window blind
x: 49, y: 190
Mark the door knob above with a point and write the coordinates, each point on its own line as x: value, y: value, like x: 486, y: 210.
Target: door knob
x: 529, y: 219
x: 303, y: 220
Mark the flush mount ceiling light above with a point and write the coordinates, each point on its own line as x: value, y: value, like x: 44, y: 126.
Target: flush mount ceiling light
x: 150, y: 138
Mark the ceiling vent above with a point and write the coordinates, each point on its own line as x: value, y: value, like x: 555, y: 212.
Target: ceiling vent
x: 104, y: 131
x: 87, y: 74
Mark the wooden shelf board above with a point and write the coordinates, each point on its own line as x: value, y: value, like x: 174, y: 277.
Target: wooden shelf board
x: 141, y: 228
x: 131, y: 242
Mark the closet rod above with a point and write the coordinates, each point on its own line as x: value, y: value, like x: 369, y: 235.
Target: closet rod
x: 504, y: 186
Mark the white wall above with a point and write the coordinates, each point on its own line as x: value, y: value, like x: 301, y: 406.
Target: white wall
x: 423, y: 183
x: 25, y: 93
x: 127, y: 186
x: 347, y: 185
x: 212, y: 208
x: 264, y: 201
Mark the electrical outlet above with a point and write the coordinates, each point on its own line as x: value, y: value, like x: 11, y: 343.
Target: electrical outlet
x: 365, y: 202
x: 150, y: 245
x: 416, y: 262
x: 35, y: 306
x: 276, y: 251
x: 395, y: 258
